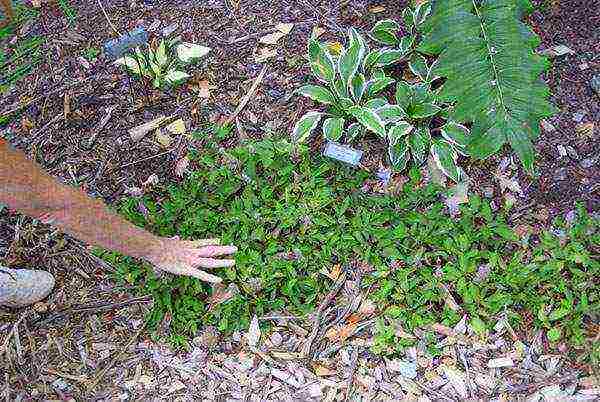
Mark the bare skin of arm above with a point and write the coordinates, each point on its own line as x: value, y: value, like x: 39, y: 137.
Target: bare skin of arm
x: 25, y: 187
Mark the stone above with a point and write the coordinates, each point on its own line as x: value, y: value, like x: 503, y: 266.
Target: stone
x: 595, y: 84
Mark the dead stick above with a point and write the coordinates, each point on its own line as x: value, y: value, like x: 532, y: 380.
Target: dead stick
x: 250, y: 94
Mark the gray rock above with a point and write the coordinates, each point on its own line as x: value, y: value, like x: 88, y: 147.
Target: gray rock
x: 561, y: 174
x: 595, y: 84
x: 589, y: 162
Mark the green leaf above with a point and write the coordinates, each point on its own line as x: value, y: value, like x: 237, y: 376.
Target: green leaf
x: 332, y: 128
x: 408, y: 18
x: 418, y: 66
x: 492, y: 73
x: 358, y: 87
x: 190, y: 52
x: 391, y: 113
x: 321, y: 62
x: 376, y: 103
x: 403, y: 94
x: 554, y: 334
x: 398, y: 154
x: 350, y: 60
x: 387, y: 57
x: 369, y: 119
x: 354, y: 131
x: 371, y: 59
x: 340, y: 88
x: 421, y: 12
x: 445, y: 159
x: 399, y: 130
x: 406, y: 43
x: 317, y: 93
x: 423, y: 110
x: 161, y: 54
x: 385, y: 32
x: 387, y: 25
x: 131, y: 63
x: 305, y: 126
x: 377, y: 85
x: 478, y: 326
x: 456, y: 134
x: 418, y: 142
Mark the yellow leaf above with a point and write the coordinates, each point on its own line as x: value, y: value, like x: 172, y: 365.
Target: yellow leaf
x: 265, y: 54
x: 317, y: 31
x: 163, y: 138
x: 323, y: 371
x: 272, y: 38
x: 377, y: 9
x: 335, y: 48
x: 177, y: 127
x: 285, y: 28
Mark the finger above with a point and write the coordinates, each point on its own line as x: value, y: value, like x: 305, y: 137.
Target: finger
x: 188, y: 270
x: 201, y: 243
x: 213, y: 251
x: 205, y: 276
x: 213, y: 263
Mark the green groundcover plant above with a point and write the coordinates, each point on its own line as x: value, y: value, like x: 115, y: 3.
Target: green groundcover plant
x: 294, y: 216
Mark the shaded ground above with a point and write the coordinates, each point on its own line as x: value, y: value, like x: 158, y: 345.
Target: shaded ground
x: 105, y: 354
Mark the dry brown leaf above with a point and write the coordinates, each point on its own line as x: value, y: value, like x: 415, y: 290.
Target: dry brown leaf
x: 377, y: 9
x: 253, y: 334
x: 272, y: 38
x: 163, y: 139
x: 66, y: 105
x: 585, y: 130
x: 323, y: 371
x: 221, y: 294
x: 285, y: 28
x: 341, y: 333
x: 137, y: 133
x: 204, y: 89
x: 181, y: 166
x: 442, y: 329
x: 265, y: 54
x: 317, y: 31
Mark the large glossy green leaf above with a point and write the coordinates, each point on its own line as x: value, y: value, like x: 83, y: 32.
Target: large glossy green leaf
x: 385, y: 32
x: 445, y: 158
x: 375, y: 86
x: 358, y: 87
x: 387, y: 57
x: 403, y: 94
x: 369, y: 118
x: 391, y: 113
x: 333, y: 128
x: 321, y: 62
x: 317, y: 93
x: 306, y: 125
x: 399, y: 130
x: 491, y: 71
x: 376, y: 103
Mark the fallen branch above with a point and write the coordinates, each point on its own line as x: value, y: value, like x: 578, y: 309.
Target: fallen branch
x: 250, y: 94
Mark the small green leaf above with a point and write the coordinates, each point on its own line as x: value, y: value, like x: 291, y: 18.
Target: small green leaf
x: 421, y: 13
x: 554, y: 334
x: 406, y: 44
x: 354, y: 131
x: 332, y: 128
x: 132, y: 64
x: 317, y: 93
x: 419, y: 143
x: 445, y: 158
x: 387, y: 25
x: 391, y: 113
x: 399, y: 130
x: 371, y: 59
x: 403, y: 94
x: 346, y: 103
x: 369, y: 119
x: 408, y: 18
x: 418, y: 66
x: 376, y: 103
x: 387, y: 37
x: 423, y: 110
x: 387, y: 57
x: 340, y: 88
x: 321, y: 62
x: 377, y: 85
x: 559, y: 313
x: 305, y: 126
x: 398, y: 154
x: 358, y: 87
x: 161, y: 54
x: 478, y: 326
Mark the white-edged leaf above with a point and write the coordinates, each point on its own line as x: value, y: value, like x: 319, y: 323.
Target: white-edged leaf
x: 321, y: 62
x: 456, y: 134
x: 351, y: 58
x: 176, y: 76
x: 423, y: 110
x: 391, y: 113
x: 418, y: 142
x: 358, y: 87
x: 408, y: 18
x: 404, y: 94
x: 161, y: 54
x: 445, y: 158
x: 376, y: 103
x: 131, y: 64
x: 386, y: 25
x: 377, y: 85
x: 399, y: 130
x: 406, y: 43
x: 398, y: 154
x: 385, y: 32
x: 388, y: 57
x: 317, y: 93
x: 418, y: 66
x: 421, y: 12
x: 354, y: 131
x: 369, y: 118
x: 190, y: 52
x: 306, y: 125
x: 333, y: 128
x: 371, y: 59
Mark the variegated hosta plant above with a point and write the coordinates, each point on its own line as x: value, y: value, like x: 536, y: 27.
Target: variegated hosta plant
x: 411, y: 137
x: 163, y: 64
x: 349, y: 89
x: 399, y: 49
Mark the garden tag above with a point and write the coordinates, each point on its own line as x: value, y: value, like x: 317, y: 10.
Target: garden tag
x: 343, y: 153
x: 117, y: 47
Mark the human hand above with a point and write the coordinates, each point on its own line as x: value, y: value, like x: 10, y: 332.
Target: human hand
x: 182, y: 257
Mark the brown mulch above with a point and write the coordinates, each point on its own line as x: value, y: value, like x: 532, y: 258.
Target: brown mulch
x: 103, y: 353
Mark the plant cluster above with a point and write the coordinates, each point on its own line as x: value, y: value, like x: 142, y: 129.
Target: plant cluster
x: 484, y: 79
x: 294, y: 218
x: 163, y: 63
